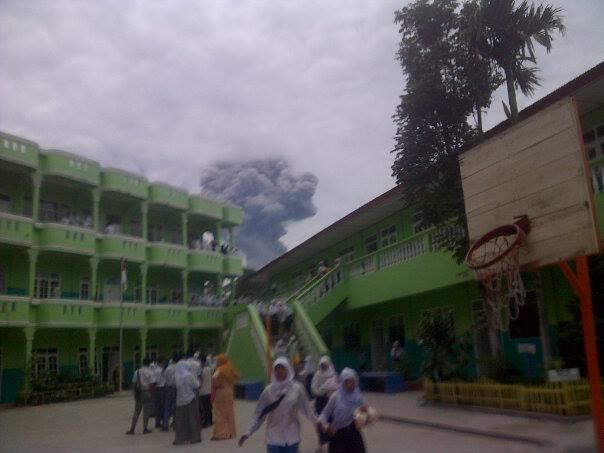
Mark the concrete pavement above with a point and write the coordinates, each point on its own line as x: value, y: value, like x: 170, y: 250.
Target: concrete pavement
x: 99, y: 426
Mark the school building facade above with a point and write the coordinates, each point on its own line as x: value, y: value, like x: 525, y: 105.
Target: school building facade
x: 66, y: 224
x: 392, y: 270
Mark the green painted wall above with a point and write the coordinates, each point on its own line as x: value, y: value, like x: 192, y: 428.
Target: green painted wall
x: 72, y: 269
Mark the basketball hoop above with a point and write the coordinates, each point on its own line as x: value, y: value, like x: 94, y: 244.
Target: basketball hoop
x: 494, y: 258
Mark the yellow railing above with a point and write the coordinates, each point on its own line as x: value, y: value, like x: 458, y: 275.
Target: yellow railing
x: 565, y: 398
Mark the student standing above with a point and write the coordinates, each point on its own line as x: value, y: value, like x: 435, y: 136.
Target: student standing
x: 205, y: 391
x: 144, y: 381
x: 223, y: 381
x: 186, y: 418
x: 338, y: 416
x: 280, y: 403
x: 169, y: 392
x: 324, y: 384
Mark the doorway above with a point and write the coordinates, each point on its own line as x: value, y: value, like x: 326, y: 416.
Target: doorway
x: 378, y: 353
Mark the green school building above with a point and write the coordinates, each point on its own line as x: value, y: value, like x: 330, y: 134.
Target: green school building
x: 392, y: 270
x: 65, y: 225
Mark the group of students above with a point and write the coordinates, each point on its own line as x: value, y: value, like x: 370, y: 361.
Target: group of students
x: 338, y: 401
x: 179, y: 394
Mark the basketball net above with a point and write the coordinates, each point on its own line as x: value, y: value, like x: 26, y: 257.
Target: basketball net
x: 495, y: 262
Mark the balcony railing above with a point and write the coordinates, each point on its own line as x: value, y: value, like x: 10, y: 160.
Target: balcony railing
x: 121, y: 246
x: 166, y: 254
x: 15, y: 229
x: 66, y: 238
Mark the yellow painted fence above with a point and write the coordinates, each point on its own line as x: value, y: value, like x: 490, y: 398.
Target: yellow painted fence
x: 565, y: 398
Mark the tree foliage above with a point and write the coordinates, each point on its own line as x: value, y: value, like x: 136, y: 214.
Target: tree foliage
x: 447, y: 82
x: 506, y: 32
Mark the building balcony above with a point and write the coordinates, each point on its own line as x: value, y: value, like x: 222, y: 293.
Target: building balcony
x: 165, y: 254
x: 124, y: 183
x: 232, y: 216
x: 15, y: 229
x: 205, y: 261
x: 176, y: 316
x: 232, y: 265
x: 206, y: 317
x: 60, y: 237
x: 14, y: 310
x: 19, y: 151
x: 209, y: 209
x: 64, y: 313
x: 165, y: 195
x: 69, y: 166
x: 117, y: 247
x: 108, y: 314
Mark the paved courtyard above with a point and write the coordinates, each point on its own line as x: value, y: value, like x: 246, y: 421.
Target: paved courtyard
x: 99, y: 426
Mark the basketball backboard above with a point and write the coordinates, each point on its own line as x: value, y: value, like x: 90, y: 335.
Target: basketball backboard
x: 537, y: 168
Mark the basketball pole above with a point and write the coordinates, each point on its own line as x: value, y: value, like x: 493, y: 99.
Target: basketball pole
x: 582, y: 286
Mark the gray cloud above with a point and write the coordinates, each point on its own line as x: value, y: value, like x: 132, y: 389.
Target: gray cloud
x: 166, y: 87
x: 271, y: 196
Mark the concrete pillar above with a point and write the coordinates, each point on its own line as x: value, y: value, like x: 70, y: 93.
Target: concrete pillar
x: 144, y: 269
x: 144, y: 214
x: 94, y: 267
x: 184, y: 228
x: 96, y: 203
x: 33, y: 259
x: 91, y: 350
x: 143, y: 333
x: 29, y: 333
x: 36, y: 180
x: 185, y: 287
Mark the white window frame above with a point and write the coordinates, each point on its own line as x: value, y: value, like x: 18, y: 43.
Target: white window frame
x: 85, y: 283
x: 346, y: 255
x: 152, y: 290
x: 373, y: 239
x: 43, y: 361
x: 47, y: 286
x: 83, y: 357
x: 388, y: 236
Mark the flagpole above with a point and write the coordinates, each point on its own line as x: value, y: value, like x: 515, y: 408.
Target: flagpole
x: 122, y: 270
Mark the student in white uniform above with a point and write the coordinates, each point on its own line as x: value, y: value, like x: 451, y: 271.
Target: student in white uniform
x: 144, y: 381
x: 279, y: 404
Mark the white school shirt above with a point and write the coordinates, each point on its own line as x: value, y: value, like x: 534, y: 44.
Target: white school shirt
x: 187, y: 385
x: 147, y: 377
x: 169, y: 378
x: 206, y: 380
x: 282, y: 424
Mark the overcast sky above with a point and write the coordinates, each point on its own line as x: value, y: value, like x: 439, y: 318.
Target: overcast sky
x: 166, y: 88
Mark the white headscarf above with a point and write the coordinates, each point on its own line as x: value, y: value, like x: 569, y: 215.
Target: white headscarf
x: 354, y: 399
x: 279, y: 388
x: 324, y: 382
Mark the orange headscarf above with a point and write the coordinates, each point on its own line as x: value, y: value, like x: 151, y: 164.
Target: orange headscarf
x: 226, y: 369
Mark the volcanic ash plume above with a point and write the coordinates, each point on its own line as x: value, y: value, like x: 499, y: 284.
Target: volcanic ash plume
x: 271, y: 196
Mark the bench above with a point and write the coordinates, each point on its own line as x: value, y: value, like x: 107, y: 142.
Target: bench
x: 249, y: 390
x: 382, y: 381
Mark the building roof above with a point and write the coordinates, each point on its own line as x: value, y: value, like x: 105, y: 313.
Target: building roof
x: 587, y: 88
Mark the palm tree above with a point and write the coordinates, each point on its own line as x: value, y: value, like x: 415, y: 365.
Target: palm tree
x: 506, y: 33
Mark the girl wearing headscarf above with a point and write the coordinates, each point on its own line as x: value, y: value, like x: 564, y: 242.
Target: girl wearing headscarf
x: 324, y: 383
x: 279, y: 404
x: 223, y: 382
x: 345, y: 437
x: 186, y: 416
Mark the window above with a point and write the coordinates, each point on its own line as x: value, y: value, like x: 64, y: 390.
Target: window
x: 85, y: 289
x: 47, y: 286
x: 346, y: 255
x: 396, y: 330
x: 152, y: 295
x: 527, y: 324
x: 418, y: 222
x: 352, y: 337
x: 28, y: 206
x: 388, y: 236
x: 298, y: 278
x: 371, y: 244
x: 83, y: 361
x: 4, y: 203
x: 46, y: 361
